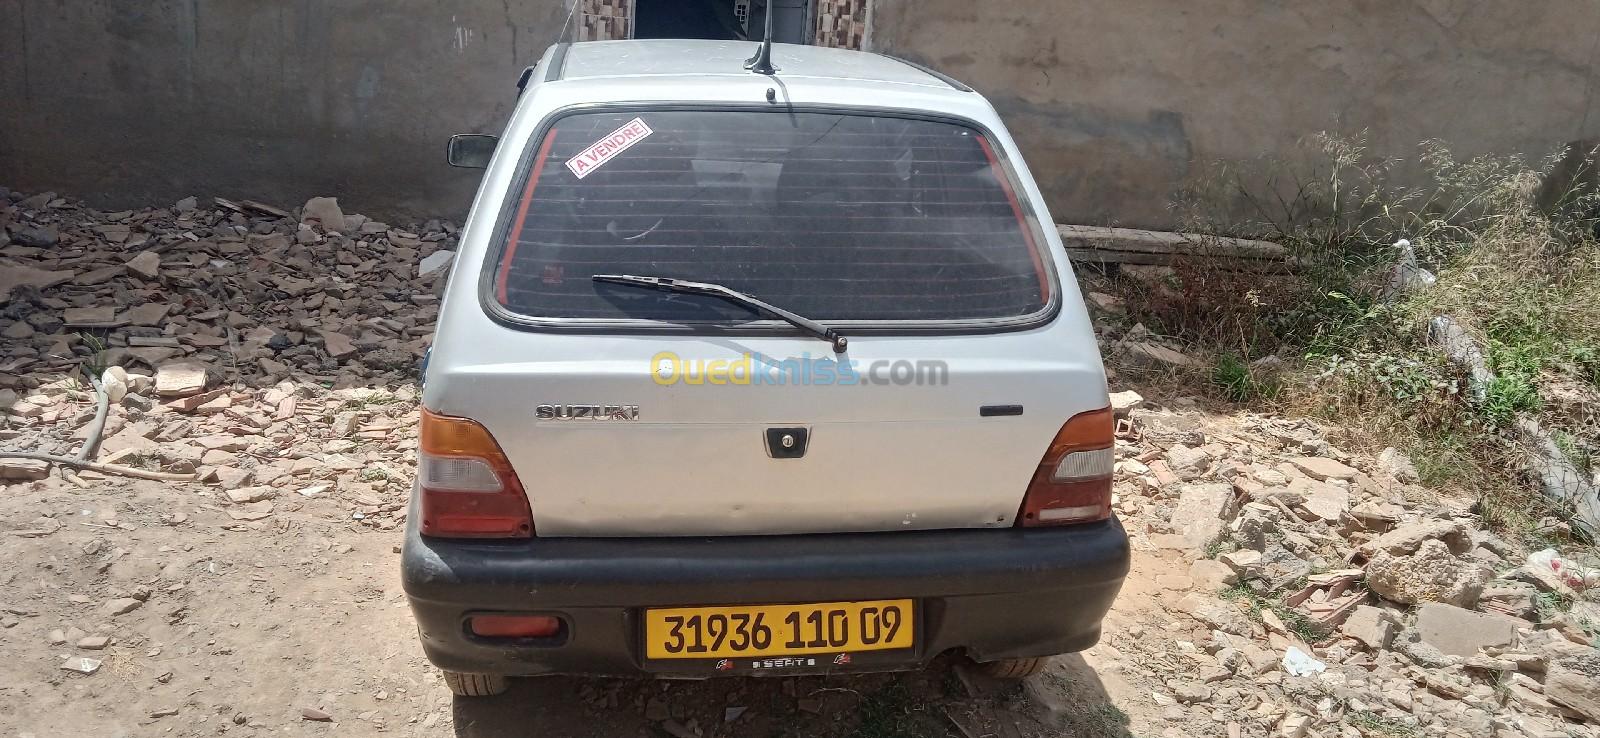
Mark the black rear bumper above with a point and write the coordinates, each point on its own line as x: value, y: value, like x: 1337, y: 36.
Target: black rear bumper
x: 994, y: 593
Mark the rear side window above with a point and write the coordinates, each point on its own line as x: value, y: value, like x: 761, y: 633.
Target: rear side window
x: 835, y: 217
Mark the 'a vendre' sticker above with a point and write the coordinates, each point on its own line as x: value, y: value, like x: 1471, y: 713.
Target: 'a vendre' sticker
x: 607, y: 148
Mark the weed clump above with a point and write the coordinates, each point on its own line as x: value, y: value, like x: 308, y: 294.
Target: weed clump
x: 1504, y: 249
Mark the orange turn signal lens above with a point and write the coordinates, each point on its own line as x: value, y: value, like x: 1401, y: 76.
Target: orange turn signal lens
x: 443, y: 435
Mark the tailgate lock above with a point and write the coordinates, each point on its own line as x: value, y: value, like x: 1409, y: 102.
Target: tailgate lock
x: 787, y: 443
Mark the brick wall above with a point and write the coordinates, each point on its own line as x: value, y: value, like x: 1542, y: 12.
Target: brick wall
x: 841, y: 24
x: 604, y: 20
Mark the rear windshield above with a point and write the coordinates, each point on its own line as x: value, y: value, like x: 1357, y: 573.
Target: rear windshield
x: 835, y: 217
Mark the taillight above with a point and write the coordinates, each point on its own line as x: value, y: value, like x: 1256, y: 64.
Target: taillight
x: 1073, y: 481
x: 468, y: 487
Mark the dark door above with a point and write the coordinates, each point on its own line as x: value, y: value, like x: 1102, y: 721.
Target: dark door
x: 722, y: 19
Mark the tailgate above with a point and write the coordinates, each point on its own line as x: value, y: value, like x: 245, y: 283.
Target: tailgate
x: 905, y: 447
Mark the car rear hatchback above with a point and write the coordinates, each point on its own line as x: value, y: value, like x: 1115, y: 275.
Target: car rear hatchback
x: 728, y: 381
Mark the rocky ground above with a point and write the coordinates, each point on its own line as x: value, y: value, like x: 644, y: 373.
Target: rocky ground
x: 266, y: 359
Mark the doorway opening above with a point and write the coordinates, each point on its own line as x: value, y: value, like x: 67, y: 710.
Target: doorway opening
x: 707, y: 19
x: 722, y: 20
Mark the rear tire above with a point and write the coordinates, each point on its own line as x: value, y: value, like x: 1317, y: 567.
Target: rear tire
x: 1014, y: 668
x: 474, y: 685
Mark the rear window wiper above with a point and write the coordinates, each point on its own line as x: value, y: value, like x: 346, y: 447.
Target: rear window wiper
x: 668, y: 284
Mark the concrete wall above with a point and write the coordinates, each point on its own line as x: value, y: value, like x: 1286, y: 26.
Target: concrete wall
x: 1117, y: 103
x: 130, y: 102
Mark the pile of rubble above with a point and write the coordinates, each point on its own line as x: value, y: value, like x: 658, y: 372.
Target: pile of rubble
x: 267, y: 359
x: 264, y: 353
x: 1335, y: 597
x: 252, y: 292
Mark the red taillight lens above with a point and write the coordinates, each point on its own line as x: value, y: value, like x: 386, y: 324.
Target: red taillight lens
x: 515, y: 626
x: 468, y: 487
x: 1073, y: 481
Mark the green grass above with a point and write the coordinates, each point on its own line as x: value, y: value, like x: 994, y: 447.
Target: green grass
x: 1515, y: 389
x: 1508, y: 396
x: 95, y: 365
x: 1440, y: 459
x: 1218, y: 547
x: 1234, y: 379
x: 1585, y: 362
x: 1592, y: 627
x: 1550, y: 605
x: 889, y: 713
x: 1375, y: 725
x: 1580, y: 459
x: 1255, y: 603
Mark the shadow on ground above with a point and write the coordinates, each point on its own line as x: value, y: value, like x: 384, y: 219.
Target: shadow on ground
x: 947, y: 699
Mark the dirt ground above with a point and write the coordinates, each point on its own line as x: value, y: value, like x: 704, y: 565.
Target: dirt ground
x: 241, y: 628
x: 270, y: 591
x: 263, y: 597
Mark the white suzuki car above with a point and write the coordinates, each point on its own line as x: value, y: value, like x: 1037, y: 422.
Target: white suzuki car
x: 757, y: 372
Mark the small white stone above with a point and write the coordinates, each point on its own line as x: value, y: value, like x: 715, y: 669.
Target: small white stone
x: 434, y: 262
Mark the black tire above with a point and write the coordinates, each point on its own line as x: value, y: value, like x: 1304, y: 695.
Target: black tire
x: 474, y: 685
x: 1014, y: 668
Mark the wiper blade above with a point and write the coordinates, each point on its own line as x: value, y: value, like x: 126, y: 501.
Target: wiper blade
x: 668, y: 284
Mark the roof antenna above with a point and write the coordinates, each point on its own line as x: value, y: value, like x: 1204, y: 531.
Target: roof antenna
x: 761, y: 63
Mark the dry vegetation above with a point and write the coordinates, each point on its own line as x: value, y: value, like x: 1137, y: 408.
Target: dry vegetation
x: 1515, y: 250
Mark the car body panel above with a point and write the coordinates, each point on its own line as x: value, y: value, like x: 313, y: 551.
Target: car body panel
x: 881, y: 457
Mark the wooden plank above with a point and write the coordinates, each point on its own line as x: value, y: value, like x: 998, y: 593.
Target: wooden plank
x: 1095, y: 244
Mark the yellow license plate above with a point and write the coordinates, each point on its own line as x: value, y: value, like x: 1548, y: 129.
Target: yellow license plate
x: 777, y: 630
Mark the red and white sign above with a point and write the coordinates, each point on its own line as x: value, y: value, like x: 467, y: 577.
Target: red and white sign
x: 607, y: 148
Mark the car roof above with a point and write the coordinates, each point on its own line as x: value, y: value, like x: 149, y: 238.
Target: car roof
x: 695, y: 58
